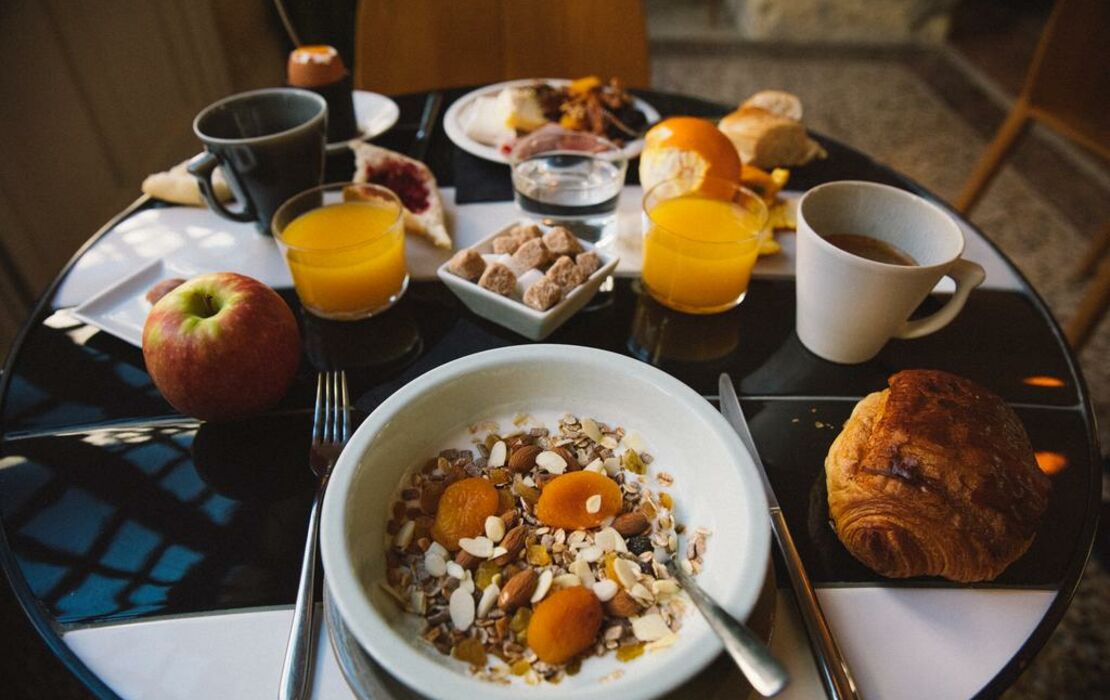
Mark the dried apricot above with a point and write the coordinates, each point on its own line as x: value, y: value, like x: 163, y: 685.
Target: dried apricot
x: 463, y: 510
x: 565, y: 624
x: 566, y: 501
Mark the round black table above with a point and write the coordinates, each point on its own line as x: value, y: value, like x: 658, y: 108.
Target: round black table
x: 118, y: 512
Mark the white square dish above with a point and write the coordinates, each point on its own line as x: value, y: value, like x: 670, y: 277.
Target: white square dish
x: 513, y: 313
x: 122, y: 308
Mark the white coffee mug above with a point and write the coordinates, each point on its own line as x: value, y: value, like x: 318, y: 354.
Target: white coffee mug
x: 850, y: 306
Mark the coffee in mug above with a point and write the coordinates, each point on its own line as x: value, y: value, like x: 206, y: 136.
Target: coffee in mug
x: 270, y: 144
x: 867, y: 256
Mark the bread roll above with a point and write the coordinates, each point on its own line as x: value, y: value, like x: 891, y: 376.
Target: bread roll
x: 935, y: 476
x: 767, y: 140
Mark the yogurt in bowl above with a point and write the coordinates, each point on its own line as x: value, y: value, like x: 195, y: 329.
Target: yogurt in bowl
x: 711, y: 481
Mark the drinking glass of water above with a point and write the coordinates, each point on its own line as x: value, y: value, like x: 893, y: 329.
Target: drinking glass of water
x: 570, y: 178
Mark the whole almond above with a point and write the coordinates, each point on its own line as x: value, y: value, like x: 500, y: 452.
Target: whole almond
x: 467, y: 560
x: 568, y: 457
x: 622, y: 605
x: 518, y: 591
x: 631, y: 524
x: 523, y: 458
x: 509, y: 518
x: 544, y: 479
x: 514, y: 543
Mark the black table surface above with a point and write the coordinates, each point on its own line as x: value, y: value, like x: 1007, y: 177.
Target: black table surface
x: 115, y: 507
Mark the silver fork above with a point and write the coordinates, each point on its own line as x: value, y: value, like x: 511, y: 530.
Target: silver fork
x: 331, y: 428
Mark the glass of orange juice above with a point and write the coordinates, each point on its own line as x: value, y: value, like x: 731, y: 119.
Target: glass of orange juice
x: 345, y: 247
x: 700, y: 243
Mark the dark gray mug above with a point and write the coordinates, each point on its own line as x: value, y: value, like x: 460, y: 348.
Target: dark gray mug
x: 271, y: 146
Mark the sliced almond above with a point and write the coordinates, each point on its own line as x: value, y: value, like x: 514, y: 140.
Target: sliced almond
x: 664, y: 588
x: 551, y: 462
x: 581, y: 569
x: 627, y: 572
x: 461, y: 608
x: 495, y: 528
x: 455, y: 570
x: 605, y: 589
x: 566, y: 581
x: 481, y: 547
x: 593, y: 503
x: 435, y: 564
x: 489, y: 597
x: 404, y: 535
x: 589, y: 427
x: 590, y: 554
x: 497, y: 454
x: 543, y: 585
x: 650, y: 628
x: 595, y: 466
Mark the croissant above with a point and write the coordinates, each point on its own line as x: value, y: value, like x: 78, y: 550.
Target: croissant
x: 935, y: 476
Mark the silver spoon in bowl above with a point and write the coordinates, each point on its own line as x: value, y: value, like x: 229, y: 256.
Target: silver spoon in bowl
x: 766, y: 675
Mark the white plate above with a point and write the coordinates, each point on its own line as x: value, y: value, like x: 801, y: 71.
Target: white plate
x: 374, y: 114
x: 453, y: 119
x: 122, y: 308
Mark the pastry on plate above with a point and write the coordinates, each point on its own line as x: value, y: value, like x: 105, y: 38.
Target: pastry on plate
x: 414, y: 185
x: 935, y: 476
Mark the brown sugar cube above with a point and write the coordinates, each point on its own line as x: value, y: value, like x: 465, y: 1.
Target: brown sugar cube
x: 543, y: 294
x: 506, y: 243
x: 531, y: 253
x: 565, y: 273
x: 498, y: 278
x: 468, y: 264
x: 525, y: 232
x: 588, y: 263
x: 561, y: 242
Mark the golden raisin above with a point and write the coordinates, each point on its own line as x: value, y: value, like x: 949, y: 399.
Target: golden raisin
x: 499, y: 476
x: 520, y: 619
x: 564, y: 501
x: 630, y: 651
x: 564, y: 624
x: 631, y: 461
x: 486, y: 571
x: 463, y: 510
x: 529, y: 494
x: 538, y: 556
x: 519, y: 668
x: 666, y: 501
x: 471, y: 651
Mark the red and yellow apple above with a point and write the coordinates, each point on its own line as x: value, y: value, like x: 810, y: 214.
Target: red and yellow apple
x: 221, y: 346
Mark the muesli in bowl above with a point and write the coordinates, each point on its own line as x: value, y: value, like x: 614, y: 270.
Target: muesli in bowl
x: 533, y: 549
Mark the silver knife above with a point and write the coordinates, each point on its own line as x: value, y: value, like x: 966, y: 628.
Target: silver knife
x: 831, y: 666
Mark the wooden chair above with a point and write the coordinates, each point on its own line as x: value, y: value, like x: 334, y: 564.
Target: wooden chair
x: 427, y: 44
x: 1066, y: 89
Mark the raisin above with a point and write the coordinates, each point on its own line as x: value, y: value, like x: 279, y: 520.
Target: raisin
x: 639, y: 544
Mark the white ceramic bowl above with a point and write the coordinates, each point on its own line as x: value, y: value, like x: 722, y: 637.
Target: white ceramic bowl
x: 716, y: 486
x: 513, y: 313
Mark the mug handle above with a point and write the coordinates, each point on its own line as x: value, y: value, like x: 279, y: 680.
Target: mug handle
x: 968, y: 276
x: 201, y: 167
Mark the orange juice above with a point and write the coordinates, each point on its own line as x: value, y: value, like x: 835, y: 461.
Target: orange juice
x: 347, y: 259
x: 699, y: 252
